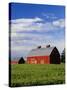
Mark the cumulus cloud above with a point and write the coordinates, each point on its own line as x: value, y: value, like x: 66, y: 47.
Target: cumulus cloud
x: 25, y: 24
x: 59, y: 23
x: 35, y: 24
x: 24, y: 20
x: 28, y: 33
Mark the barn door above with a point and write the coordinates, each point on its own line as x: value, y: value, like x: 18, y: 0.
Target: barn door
x: 42, y: 61
x: 33, y: 61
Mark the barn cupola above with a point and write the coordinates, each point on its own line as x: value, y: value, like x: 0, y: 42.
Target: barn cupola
x: 39, y: 47
x: 47, y: 46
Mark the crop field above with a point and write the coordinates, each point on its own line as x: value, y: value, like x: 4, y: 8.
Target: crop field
x: 37, y: 74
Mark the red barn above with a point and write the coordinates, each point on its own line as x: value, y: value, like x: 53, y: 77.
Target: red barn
x: 48, y: 55
x: 14, y: 62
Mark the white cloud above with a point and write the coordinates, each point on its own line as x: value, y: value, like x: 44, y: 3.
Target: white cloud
x: 33, y: 25
x: 59, y: 23
x: 24, y: 20
x: 23, y: 41
x: 25, y: 24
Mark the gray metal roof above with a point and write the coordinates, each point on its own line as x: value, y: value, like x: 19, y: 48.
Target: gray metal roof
x: 41, y: 52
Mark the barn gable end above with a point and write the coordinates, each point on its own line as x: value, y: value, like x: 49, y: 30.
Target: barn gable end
x: 55, y: 56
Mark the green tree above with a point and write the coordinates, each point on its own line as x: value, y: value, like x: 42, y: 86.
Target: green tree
x: 21, y: 61
x: 63, y: 56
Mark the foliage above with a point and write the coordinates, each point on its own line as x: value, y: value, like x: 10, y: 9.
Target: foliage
x: 21, y: 60
x: 63, y: 56
x: 37, y: 74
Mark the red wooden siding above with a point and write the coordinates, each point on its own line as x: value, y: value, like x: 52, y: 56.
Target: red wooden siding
x: 38, y: 60
x: 14, y: 62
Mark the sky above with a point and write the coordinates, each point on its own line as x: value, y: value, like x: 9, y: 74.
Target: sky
x: 32, y: 25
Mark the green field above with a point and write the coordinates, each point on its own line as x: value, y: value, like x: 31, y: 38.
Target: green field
x: 37, y: 74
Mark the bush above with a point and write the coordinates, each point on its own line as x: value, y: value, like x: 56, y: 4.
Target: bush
x: 21, y: 61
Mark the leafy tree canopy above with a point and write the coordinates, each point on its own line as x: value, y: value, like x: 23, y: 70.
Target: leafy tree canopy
x: 21, y: 60
x: 63, y: 56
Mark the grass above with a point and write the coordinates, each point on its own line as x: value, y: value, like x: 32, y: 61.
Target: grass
x: 37, y: 74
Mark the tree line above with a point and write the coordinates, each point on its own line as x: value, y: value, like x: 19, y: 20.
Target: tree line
x: 63, y: 56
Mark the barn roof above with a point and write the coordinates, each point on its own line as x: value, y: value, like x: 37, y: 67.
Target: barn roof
x: 41, y: 51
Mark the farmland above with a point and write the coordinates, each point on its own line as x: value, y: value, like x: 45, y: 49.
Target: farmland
x: 37, y: 74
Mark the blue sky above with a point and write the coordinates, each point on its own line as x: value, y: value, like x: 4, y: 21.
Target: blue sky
x: 35, y: 24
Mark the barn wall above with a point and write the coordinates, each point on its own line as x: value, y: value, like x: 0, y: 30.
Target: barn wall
x: 38, y: 60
